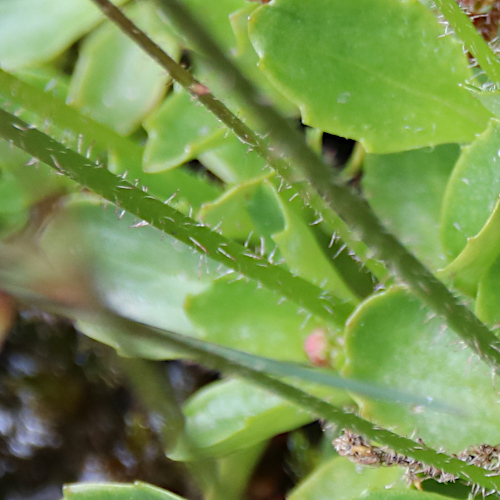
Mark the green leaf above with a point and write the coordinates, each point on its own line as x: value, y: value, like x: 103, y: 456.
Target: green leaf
x: 256, y: 209
x: 140, y: 273
x: 47, y: 27
x: 85, y: 135
x: 253, y: 319
x: 472, y: 191
x: 386, y: 77
x: 178, y: 132
x: 490, y: 99
x: 114, y: 81
x: 488, y: 296
x: 215, y: 18
x: 235, y: 471
x: 303, y: 253
x: 384, y: 494
x: 406, y: 191
x: 231, y: 415
x: 339, y: 479
x: 393, y: 340
x: 229, y: 213
x: 110, y: 491
x: 46, y: 78
x: 247, y: 59
x: 466, y: 271
x: 22, y: 187
x: 232, y: 162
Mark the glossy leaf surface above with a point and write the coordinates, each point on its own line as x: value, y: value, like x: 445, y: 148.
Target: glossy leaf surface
x: 385, y: 76
x: 393, y: 341
x: 233, y: 414
x: 472, y: 191
x: 339, y: 479
x: 110, y: 491
x: 35, y: 31
x: 179, y: 131
x: 114, y: 81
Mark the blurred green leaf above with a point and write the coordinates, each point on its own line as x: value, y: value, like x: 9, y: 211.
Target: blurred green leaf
x: 110, y: 491
x: 115, y: 82
x: 253, y: 319
x: 232, y: 415
x: 215, y: 18
x: 339, y: 479
x: 235, y: 471
x: 247, y: 59
x: 22, y: 187
x: 35, y: 31
x: 385, y: 77
x: 139, y: 272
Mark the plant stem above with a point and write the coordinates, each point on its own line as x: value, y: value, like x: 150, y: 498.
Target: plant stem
x: 286, y: 147
x: 135, y: 200
x: 91, y: 136
x: 153, y: 387
x: 215, y: 357
x: 249, y: 367
x: 26, y: 97
x: 473, y: 41
x: 242, y: 131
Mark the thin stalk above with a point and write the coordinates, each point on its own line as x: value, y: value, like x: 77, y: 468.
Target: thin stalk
x: 90, y: 137
x: 287, y: 148
x: 238, y: 364
x: 210, y: 355
x: 240, y: 129
x: 355, y: 163
x: 473, y: 41
x: 20, y: 95
x: 152, y: 386
x: 152, y: 211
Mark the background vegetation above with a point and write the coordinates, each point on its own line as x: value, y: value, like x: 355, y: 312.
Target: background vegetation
x: 180, y: 192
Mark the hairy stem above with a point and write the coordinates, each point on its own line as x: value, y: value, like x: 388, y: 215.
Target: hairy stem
x: 92, y: 138
x: 249, y: 367
x: 224, y: 359
x: 473, y: 41
x: 239, y: 128
x: 101, y: 181
x: 287, y: 152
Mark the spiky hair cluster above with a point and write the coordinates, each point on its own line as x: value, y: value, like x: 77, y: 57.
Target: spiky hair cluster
x: 485, y: 14
x: 361, y: 452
